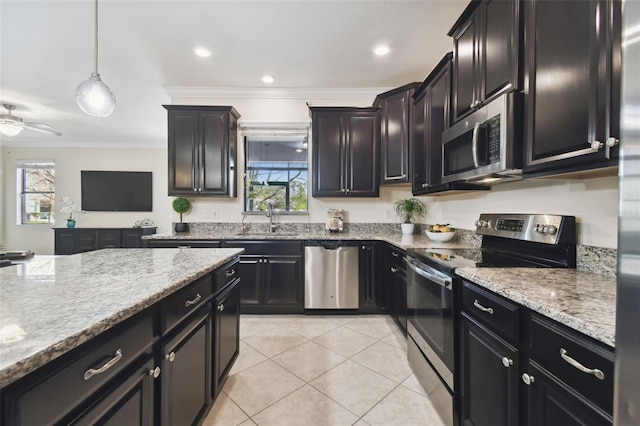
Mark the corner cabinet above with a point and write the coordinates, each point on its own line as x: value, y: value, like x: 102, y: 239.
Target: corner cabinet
x: 487, y: 39
x: 345, y: 151
x: 395, y: 131
x: 573, y: 59
x: 202, y: 150
x: 431, y: 108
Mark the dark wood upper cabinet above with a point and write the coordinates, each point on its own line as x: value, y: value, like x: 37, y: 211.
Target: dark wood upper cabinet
x: 395, y: 131
x: 573, y: 93
x: 345, y: 151
x: 431, y: 109
x: 487, y: 39
x: 202, y: 150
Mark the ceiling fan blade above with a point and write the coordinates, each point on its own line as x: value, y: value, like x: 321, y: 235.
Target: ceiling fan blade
x: 40, y: 127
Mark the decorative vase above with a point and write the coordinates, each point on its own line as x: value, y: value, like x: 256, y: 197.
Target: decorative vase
x: 71, y: 223
x: 407, y: 228
x: 181, y: 227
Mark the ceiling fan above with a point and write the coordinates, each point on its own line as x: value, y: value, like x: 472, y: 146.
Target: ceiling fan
x: 10, y: 125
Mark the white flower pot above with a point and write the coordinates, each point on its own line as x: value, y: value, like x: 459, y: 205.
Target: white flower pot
x: 407, y: 228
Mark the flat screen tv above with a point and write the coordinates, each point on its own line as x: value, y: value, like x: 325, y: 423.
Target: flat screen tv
x: 114, y: 191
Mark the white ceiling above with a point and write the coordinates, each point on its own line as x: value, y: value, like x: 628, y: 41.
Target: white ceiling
x: 46, y: 50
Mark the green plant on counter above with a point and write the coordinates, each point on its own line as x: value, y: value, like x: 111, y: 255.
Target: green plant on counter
x: 409, y: 209
x: 181, y: 205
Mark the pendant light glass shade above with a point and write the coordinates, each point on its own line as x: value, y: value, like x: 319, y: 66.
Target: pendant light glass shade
x: 9, y: 129
x: 93, y: 96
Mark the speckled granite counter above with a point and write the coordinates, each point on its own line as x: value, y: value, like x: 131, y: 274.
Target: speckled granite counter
x: 583, y: 301
x: 51, y: 305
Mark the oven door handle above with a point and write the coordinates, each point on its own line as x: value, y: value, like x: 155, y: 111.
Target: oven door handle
x: 436, y: 277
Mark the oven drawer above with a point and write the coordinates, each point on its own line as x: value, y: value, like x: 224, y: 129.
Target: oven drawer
x: 565, y: 354
x: 501, y: 316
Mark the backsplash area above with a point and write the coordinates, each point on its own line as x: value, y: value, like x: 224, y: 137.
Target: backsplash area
x: 597, y: 260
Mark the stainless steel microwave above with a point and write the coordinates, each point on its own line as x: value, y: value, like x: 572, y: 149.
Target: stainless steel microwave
x: 486, y: 147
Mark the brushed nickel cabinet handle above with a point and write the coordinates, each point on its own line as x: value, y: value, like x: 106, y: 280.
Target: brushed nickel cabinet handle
x: 507, y: 362
x: 117, y: 356
x: 596, y: 372
x: 171, y: 356
x: 193, y: 301
x: 482, y: 308
x: 527, y: 379
x: 155, y: 372
x: 221, y: 307
x: 230, y: 273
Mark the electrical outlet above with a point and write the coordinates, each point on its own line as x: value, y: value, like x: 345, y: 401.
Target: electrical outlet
x: 387, y: 214
x: 216, y: 213
x: 207, y: 213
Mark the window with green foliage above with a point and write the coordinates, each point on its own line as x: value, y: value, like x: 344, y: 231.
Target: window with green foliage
x: 36, y: 192
x: 276, y: 172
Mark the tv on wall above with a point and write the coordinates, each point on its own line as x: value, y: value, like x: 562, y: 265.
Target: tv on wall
x: 115, y: 191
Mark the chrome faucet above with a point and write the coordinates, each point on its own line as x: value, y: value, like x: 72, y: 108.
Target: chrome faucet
x: 270, y: 214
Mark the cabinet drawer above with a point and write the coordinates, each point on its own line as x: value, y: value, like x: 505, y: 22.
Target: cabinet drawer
x: 187, y: 300
x: 55, y: 395
x: 550, y: 341
x: 226, y: 274
x: 184, y: 244
x: 267, y: 247
x: 500, y: 316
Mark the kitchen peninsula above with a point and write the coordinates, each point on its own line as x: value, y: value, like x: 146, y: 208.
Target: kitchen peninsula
x: 84, y: 336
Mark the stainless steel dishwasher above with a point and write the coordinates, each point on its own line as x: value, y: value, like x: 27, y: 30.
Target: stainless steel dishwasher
x: 331, y: 275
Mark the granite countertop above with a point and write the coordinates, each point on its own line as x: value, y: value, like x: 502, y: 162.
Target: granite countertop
x: 583, y: 301
x: 51, y: 305
x: 401, y: 241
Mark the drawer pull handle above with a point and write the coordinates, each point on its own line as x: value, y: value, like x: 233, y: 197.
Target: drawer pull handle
x: 193, y: 302
x: 482, y: 308
x: 394, y: 254
x: 507, y: 362
x: 598, y: 373
x: 221, y: 307
x: 117, y: 356
x: 230, y: 273
x: 527, y: 379
x: 155, y: 372
x: 183, y: 247
x: 394, y: 270
x: 171, y: 356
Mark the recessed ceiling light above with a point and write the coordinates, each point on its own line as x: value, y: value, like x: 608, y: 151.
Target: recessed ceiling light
x: 381, y: 50
x: 201, y: 51
x: 268, y: 79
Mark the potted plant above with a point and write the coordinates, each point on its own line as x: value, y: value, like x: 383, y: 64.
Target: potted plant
x: 409, y: 209
x: 181, y: 205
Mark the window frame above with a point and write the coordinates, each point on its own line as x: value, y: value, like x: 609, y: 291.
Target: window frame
x: 22, y: 168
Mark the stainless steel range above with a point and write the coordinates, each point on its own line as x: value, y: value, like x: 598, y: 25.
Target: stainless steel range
x: 508, y: 240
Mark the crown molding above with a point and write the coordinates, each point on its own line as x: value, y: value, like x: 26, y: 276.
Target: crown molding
x: 274, y: 93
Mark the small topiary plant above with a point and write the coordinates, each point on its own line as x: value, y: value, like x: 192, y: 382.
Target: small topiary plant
x: 181, y: 205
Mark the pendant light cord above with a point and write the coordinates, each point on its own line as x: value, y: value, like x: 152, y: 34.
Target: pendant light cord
x: 96, y: 39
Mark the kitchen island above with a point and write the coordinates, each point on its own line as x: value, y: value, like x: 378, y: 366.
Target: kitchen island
x: 55, y: 310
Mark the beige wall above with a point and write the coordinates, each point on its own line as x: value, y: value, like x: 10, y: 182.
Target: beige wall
x: 593, y: 201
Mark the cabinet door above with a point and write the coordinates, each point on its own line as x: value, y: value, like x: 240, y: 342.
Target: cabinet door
x: 551, y: 403
x: 128, y: 402
x: 419, y: 157
x: 283, y: 285
x: 465, y: 67
x: 108, y: 238
x: 401, y: 291
x: 489, y: 378
x: 131, y: 238
x: 250, y: 274
x: 362, y: 160
x: 329, y: 155
x: 226, y: 334
x: 183, y: 151
x: 500, y: 45
x: 63, y: 241
x: 568, y: 102
x: 369, y: 297
x: 438, y: 116
x: 213, y: 151
x: 186, y: 372
x: 84, y: 240
x: 395, y: 124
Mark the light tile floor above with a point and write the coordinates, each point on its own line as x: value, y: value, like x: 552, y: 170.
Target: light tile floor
x: 328, y: 370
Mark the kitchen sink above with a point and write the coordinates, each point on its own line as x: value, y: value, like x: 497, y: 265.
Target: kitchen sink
x: 267, y: 234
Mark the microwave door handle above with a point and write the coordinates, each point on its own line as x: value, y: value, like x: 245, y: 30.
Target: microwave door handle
x: 474, y: 144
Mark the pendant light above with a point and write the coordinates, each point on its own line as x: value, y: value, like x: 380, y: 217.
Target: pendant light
x: 93, y: 96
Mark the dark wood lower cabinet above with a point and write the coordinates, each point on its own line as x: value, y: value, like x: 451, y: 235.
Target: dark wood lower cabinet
x: 80, y: 240
x: 186, y: 372
x: 489, y: 377
x: 396, y: 279
x: 552, y: 403
x: 128, y: 402
x: 283, y: 287
x: 226, y: 334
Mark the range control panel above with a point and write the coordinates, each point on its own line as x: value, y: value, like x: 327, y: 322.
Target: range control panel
x: 542, y: 228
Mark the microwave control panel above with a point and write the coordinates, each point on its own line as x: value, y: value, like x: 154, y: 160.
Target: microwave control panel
x: 493, y: 139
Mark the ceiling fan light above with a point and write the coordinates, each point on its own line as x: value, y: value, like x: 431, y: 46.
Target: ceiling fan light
x: 95, y: 98
x: 9, y: 129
